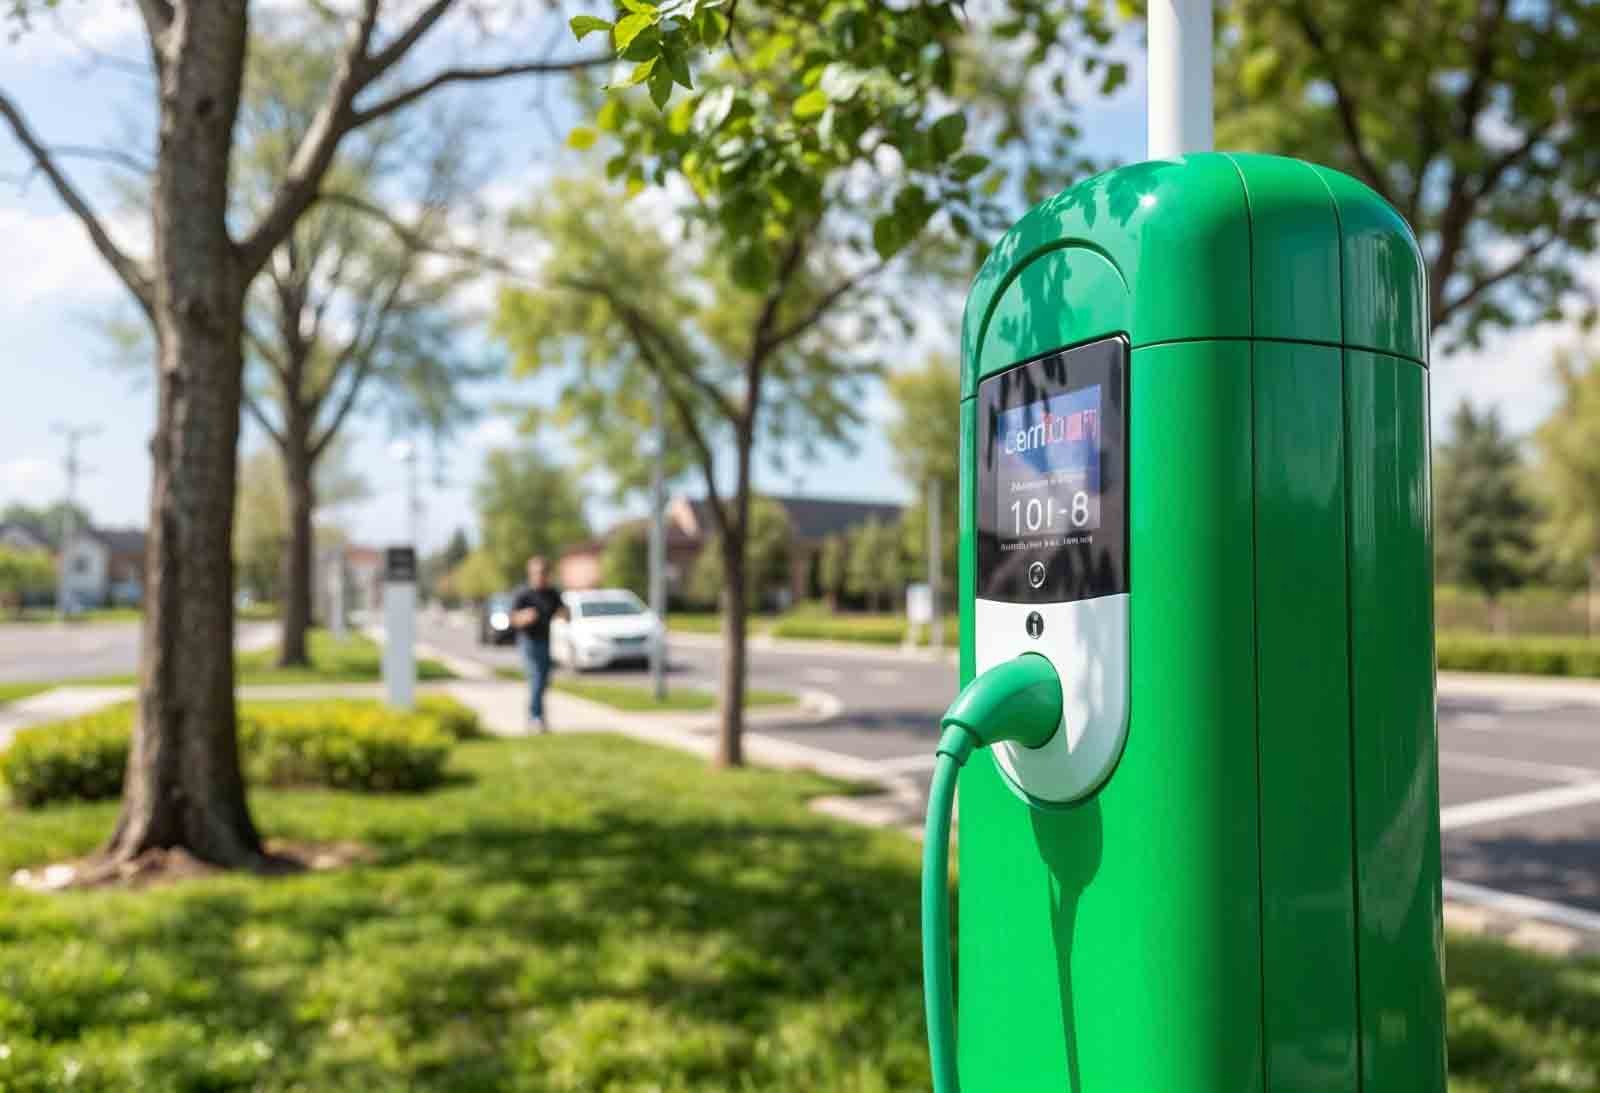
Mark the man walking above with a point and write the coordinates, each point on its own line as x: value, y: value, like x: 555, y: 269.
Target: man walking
x: 535, y: 607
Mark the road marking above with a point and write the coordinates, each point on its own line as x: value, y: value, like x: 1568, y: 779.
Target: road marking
x: 822, y: 675
x: 1520, y: 768
x: 1523, y: 906
x: 1517, y: 804
x: 1476, y: 722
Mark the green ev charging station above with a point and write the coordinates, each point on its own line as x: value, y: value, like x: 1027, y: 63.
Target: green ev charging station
x: 1199, y: 823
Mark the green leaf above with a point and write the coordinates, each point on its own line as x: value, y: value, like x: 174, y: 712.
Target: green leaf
x: 751, y: 266
x: 641, y: 72
x: 948, y: 134
x: 582, y: 137
x: 609, y: 118
x: 810, y: 104
x: 841, y: 82
x: 681, y: 118
x: 639, y: 7
x: 1116, y: 75
x: 712, y: 27
x: 628, y: 28
x: 968, y: 166
x: 713, y: 110
x: 660, y: 87
x: 885, y: 235
x: 616, y: 165
x: 584, y: 24
x: 678, y: 68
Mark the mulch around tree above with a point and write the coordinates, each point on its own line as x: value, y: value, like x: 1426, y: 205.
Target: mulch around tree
x: 160, y: 867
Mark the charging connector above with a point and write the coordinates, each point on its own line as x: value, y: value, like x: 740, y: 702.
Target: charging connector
x: 1018, y: 700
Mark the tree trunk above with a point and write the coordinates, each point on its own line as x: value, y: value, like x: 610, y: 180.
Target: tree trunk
x: 730, y: 701
x: 183, y: 786
x: 297, y: 559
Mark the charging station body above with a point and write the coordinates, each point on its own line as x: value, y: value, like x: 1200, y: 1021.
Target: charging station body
x: 1194, y: 453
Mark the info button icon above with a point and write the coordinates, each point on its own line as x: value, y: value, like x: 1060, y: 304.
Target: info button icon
x: 1036, y: 574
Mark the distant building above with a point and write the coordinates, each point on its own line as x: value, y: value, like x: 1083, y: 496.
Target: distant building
x: 104, y: 567
x: 691, y: 526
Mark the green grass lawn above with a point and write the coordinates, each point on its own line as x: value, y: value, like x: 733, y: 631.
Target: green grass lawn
x: 93, y: 615
x: 639, y: 697
x: 541, y: 924
x: 14, y: 692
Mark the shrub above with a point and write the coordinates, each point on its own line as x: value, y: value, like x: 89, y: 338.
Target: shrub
x: 82, y: 759
x: 873, y: 629
x: 454, y: 719
x: 343, y: 745
x: 1528, y: 656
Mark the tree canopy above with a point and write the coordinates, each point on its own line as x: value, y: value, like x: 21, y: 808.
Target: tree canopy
x: 1478, y: 119
x: 527, y: 505
x: 1484, y: 519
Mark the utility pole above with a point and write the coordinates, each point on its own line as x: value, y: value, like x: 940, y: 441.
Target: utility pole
x: 69, y: 529
x: 658, y: 551
x: 935, y: 566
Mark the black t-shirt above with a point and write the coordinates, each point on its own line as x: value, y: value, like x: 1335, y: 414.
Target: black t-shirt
x: 544, y: 600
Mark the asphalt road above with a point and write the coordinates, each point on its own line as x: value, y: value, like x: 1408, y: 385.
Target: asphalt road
x: 1519, y: 772
x: 48, y: 650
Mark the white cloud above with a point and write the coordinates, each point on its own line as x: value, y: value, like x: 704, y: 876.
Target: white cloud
x: 30, y: 480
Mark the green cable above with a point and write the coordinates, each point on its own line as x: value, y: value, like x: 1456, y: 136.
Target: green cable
x: 1018, y: 700
x: 937, y: 993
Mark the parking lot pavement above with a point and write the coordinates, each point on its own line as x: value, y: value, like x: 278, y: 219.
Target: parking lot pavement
x: 1519, y: 762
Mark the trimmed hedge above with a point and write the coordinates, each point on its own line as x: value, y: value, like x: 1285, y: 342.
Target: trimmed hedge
x: 353, y: 745
x: 1527, y: 656
x: 872, y: 629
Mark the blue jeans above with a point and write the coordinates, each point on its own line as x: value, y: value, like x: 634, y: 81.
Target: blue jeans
x: 536, y: 659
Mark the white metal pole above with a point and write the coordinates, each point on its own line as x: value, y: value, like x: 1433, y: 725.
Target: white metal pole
x: 1179, y: 78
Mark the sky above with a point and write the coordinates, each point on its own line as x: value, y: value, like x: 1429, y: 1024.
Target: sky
x: 58, y: 367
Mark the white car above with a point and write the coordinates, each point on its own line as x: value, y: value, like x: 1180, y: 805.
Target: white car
x: 608, y: 625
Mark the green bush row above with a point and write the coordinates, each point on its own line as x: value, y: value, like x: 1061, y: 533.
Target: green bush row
x: 873, y: 629
x: 1527, y: 656
x: 340, y: 744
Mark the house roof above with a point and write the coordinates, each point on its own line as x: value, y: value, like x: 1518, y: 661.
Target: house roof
x: 812, y: 518
x: 121, y: 541
x: 24, y: 531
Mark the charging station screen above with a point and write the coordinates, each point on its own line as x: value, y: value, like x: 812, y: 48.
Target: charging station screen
x: 1052, y: 481
x: 1049, y: 474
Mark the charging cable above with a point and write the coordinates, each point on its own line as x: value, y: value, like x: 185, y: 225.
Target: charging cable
x: 1020, y: 701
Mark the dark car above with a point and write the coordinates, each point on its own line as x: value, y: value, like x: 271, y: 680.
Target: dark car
x: 494, y: 621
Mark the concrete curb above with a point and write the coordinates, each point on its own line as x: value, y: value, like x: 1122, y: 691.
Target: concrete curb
x: 1534, y: 688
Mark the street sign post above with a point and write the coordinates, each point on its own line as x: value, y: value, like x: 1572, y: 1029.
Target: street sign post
x: 400, y: 626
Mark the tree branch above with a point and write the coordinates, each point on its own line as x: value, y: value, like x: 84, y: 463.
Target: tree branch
x: 254, y: 409
x: 131, y: 273
x: 314, y: 154
x: 823, y: 306
x: 1488, y: 281
x: 104, y: 155
x: 407, y: 96
x: 386, y: 57
x: 1348, y: 117
x: 157, y: 16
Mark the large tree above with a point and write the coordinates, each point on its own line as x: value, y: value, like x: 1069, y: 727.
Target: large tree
x: 353, y: 312
x: 1478, y: 119
x: 1569, y: 472
x: 1484, y: 520
x: 184, y: 787
x: 631, y: 319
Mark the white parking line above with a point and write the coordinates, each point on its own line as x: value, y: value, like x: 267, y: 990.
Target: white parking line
x: 1523, y: 906
x: 1518, y: 768
x: 1517, y: 804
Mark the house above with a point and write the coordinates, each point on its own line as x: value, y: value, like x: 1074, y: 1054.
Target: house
x: 691, y: 525
x: 103, y: 567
